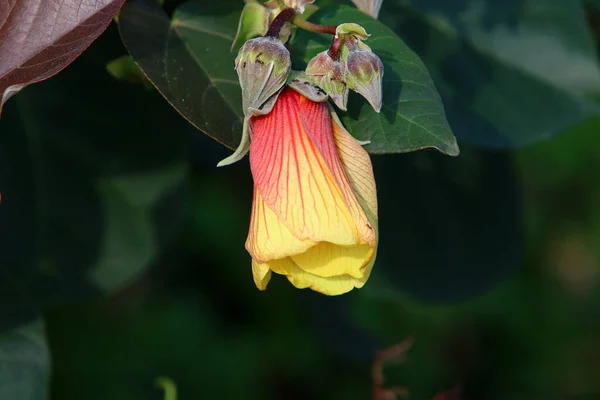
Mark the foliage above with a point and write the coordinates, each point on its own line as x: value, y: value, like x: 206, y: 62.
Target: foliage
x: 38, y: 40
x: 122, y: 253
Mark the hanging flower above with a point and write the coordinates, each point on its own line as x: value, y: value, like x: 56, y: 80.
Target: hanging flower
x: 314, y: 213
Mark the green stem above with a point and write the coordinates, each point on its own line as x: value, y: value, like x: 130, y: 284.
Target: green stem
x: 309, y: 26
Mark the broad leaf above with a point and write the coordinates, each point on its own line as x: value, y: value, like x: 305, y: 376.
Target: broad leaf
x: 412, y: 116
x: 38, y: 38
x: 511, y: 72
x: 89, y: 198
x: 188, y: 59
x: 24, y: 363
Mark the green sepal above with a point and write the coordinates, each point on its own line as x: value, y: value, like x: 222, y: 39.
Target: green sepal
x: 263, y: 65
x: 364, y: 72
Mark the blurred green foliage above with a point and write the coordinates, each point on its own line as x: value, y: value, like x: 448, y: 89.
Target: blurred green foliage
x: 119, y: 231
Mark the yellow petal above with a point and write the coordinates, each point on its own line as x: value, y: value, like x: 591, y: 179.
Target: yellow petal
x: 327, y: 260
x: 359, y: 171
x: 346, y: 160
x: 269, y: 239
x: 261, y: 274
x: 292, y: 176
x: 366, y: 270
x: 301, y: 279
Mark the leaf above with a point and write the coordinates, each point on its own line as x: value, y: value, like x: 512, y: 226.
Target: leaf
x: 193, y: 48
x: 24, y: 363
x: 89, y: 198
x: 188, y: 59
x: 412, y: 117
x: 40, y: 38
x: 511, y: 72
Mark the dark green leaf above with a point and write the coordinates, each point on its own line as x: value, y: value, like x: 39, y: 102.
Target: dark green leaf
x: 509, y: 72
x: 92, y: 172
x: 188, y: 59
x: 24, y: 363
x: 412, y: 116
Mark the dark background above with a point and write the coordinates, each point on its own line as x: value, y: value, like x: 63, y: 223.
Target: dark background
x: 121, y: 235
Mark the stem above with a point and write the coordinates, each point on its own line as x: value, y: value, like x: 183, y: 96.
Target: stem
x: 284, y: 16
x: 336, y: 44
x: 334, y: 49
x: 309, y: 26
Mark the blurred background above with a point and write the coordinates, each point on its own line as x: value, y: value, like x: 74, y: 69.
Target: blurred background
x: 123, y: 242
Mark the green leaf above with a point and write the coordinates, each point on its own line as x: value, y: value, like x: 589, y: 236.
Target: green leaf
x: 92, y: 172
x: 412, y: 116
x: 24, y: 363
x: 188, y: 59
x: 194, y: 48
x: 510, y: 73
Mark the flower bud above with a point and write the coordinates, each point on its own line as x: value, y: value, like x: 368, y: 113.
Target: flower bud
x: 263, y: 65
x: 320, y: 64
x: 329, y: 75
x: 364, y: 71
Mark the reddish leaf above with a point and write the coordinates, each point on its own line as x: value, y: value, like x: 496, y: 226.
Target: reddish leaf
x: 38, y: 38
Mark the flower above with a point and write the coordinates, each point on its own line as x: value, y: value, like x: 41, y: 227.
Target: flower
x: 314, y: 212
